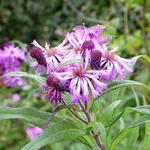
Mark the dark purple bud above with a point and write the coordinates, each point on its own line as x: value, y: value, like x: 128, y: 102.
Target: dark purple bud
x: 88, y: 45
x: 95, y: 59
x: 36, y: 53
x: 51, y: 81
x: 42, y: 61
x: 57, y: 84
x: 62, y: 86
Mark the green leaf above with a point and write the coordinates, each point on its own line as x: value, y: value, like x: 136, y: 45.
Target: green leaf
x: 73, y: 61
x: 31, y: 115
x: 98, y: 126
x: 39, y: 79
x: 61, y: 131
x: 145, y: 57
x: 119, y: 84
x: 102, y: 130
x: 145, y: 109
x: 125, y: 131
x: 19, y: 43
x: 59, y: 108
x: 132, y: 138
x: 141, y: 120
x: 119, y: 138
x: 108, y: 111
x: 136, y: 97
x: 147, y: 137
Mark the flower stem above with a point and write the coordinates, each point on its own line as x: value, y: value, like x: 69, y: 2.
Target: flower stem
x: 86, y: 110
x: 76, y: 115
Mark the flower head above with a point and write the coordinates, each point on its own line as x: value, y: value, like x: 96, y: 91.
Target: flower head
x: 54, y: 89
x: 16, y: 97
x: 114, y: 64
x: 53, y: 56
x: 82, y: 81
x: 84, y: 39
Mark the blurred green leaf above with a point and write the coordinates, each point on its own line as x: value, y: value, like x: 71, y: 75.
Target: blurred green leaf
x: 108, y: 111
x: 145, y: 57
x: 141, y: 120
x: 99, y: 127
x: 119, y: 138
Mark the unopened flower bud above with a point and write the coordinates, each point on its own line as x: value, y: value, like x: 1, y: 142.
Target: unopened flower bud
x: 88, y: 45
x: 36, y: 53
x: 57, y: 84
x: 95, y: 59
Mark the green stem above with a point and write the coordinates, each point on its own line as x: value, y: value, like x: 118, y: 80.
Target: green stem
x: 76, y: 115
x: 86, y: 110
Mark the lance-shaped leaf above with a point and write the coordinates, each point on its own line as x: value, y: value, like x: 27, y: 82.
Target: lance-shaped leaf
x: 61, y: 131
x: 115, y: 85
x: 124, y: 133
x: 36, y: 117
x: 145, y: 109
x: 39, y: 79
x: 145, y: 57
x: 73, y: 61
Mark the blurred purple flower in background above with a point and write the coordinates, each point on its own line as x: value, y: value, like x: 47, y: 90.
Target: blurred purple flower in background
x: 11, y: 59
x: 16, y: 97
x: 33, y: 131
x: 37, y: 94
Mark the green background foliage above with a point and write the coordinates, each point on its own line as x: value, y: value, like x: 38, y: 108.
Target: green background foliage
x: 117, y: 115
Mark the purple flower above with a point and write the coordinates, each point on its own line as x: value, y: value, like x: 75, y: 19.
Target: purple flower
x: 33, y: 132
x: 10, y: 60
x: 14, y: 54
x: 16, y: 97
x: 54, y: 55
x: 37, y: 94
x: 37, y: 54
x: 97, y: 65
x: 84, y: 39
x: 54, y: 89
x: 114, y: 64
x: 13, y: 81
x: 82, y: 81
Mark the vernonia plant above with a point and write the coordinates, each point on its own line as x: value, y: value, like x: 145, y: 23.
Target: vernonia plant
x: 79, y: 72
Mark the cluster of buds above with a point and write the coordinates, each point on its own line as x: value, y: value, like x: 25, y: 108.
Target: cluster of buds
x: 98, y: 64
x: 11, y: 58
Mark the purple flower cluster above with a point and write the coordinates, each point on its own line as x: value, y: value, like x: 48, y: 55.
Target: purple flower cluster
x: 98, y: 64
x: 11, y: 57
